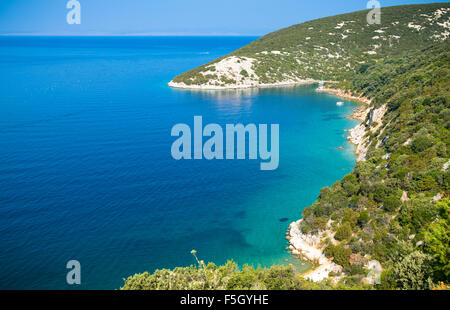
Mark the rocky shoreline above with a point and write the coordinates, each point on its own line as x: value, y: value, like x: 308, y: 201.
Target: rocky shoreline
x: 345, y: 95
x: 357, y: 134
x: 308, y: 247
x: 243, y: 86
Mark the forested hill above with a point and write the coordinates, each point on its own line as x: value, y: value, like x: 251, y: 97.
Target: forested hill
x: 329, y: 48
x: 394, y: 206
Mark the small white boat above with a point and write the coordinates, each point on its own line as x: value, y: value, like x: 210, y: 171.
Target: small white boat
x: 340, y: 103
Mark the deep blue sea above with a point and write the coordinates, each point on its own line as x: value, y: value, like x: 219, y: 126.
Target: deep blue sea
x: 86, y: 171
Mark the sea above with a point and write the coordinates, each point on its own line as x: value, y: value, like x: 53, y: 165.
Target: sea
x: 86, y: 171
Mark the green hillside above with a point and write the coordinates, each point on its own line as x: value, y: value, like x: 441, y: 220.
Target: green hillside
x: 325, y: 49
x: 392, y: 207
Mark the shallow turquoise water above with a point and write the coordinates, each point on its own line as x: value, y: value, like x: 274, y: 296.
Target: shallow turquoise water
x: 86, y: 171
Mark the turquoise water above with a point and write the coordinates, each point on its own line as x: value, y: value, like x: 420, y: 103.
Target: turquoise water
x: 86, y: 171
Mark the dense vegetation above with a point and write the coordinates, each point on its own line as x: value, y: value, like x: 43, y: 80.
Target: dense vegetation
x: 332, y: 48
x: 394, y: 207
x: 228, y: 277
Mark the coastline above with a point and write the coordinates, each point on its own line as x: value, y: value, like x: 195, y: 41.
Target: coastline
x: 345, y: 95
x: 243, y: 86
x: 306, y: 246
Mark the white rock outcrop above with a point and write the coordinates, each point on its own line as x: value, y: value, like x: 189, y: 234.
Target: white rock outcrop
x: 446, y: 166
x: 357, y: 134
x: 309, y: 247
x: 239, y: 70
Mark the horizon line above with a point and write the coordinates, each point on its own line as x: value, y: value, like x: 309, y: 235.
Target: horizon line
x: 131, y: 35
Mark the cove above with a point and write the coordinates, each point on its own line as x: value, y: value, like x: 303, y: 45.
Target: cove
x: 87, y: 173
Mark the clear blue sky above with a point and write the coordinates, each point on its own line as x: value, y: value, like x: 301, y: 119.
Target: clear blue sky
x: 172, y: 17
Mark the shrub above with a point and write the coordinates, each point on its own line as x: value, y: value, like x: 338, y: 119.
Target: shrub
x: 364, y: 217
x: 319, y: 224
x: 437, y: 240
x: 421, y: 143
x: 341, y: 255
x: 380, y: 193
x: 244, y: 73
x: 244, y: 280
x: 344, y: 232
x: 392, y: 203
x: 414, y: 272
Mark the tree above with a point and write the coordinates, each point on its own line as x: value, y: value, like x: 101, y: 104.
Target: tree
x: 414, y: 272
x: 244, y: 73
x: 364, y: 217
x: 421, y: 143
x: 437, y: 240
x: 319, y: 224
x: 380, y: 193
x: 341, y: 255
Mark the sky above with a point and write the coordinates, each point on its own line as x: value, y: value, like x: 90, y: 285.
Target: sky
x: 171, y: 17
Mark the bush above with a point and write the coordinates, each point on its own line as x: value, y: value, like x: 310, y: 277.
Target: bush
x: 392, y: 203
x: 437, y: 240
x: 414, y: 272
x: 280, y: 278
x: 225, y: 277
x: 244, y: 73
x: 319, y: 224
x: 344, y: 232
x: 421, y: 143
x: 364, y: 217
x: 244, y: 280
x: 380, y: 193
x: 341, y: 255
